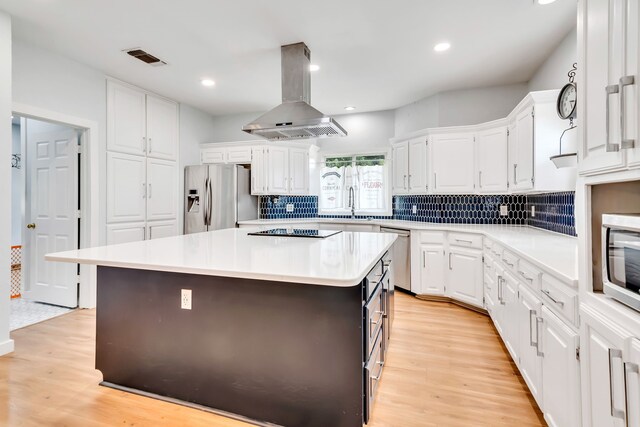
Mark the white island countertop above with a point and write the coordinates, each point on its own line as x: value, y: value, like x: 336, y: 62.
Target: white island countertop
x: 550, y: 251
x: 343, y: 259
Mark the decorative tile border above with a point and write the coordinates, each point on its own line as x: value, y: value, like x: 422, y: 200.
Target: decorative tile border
x: 554, y: 211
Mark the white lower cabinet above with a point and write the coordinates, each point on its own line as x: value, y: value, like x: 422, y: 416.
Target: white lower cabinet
x: 126, y: 188
x: 160, y: 229
x: 509, y: 316
x: 464, y: 276
x: 125, y: 233
x: 530, y: 357
x: 432, y: 269
x: 162, y: 189
x: 632, y: 372
x: 560, y: 372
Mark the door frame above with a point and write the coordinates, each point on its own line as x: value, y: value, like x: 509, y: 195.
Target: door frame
x: 89, y: 179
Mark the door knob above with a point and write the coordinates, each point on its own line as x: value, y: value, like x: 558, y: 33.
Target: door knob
x: 32, y: 225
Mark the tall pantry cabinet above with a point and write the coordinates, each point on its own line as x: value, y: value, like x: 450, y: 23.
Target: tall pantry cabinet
x: 142, y: 168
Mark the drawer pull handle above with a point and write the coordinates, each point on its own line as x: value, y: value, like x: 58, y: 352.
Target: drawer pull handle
x: 465, y: 241
x: 539, y: 321
x: 609, y: 147
x: 616, y: 413
x: 507, y: 262
x: 625, y: 142
x: 525, y: 276
x: 560, y: 303
x: 532, y: 343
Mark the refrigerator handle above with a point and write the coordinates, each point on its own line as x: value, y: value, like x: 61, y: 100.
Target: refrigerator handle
x: 210, y: 202
x: 205, y: 202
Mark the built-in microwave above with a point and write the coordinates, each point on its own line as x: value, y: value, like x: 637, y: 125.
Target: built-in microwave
x: 621, y: 258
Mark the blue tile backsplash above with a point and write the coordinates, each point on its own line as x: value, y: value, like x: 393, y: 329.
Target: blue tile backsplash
x: 554, y: 211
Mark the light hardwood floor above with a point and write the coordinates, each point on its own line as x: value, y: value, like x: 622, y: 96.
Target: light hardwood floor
x: 446, y: 367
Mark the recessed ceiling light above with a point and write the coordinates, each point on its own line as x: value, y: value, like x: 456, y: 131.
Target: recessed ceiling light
x: 207, y: 82
x: 350, y: 108
x: 441, y: 47
x: 545, y: 1
x: 314, y: 67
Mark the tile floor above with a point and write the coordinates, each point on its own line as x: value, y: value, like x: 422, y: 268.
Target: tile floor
x: 25, y: 313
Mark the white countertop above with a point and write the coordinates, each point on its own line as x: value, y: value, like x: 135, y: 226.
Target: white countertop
x: 343, y: 259
x: 553, y: 252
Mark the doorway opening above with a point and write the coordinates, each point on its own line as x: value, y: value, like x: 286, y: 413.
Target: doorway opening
x: 46, y: 206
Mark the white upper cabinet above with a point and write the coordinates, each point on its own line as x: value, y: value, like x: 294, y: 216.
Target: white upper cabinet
x: 453, y: 163
x: 491, y: 146
x: 162, y: 128
x: 400, y: 153
x: 162, y: 189
x: 299, y: 171
x: 522, y: 156
x: 126, y: 188
x: 278, y: 169
x: 238, y: 154
x: 418, y: 171
x: 126, y: 119
x: 607, y: 53
x: 259, y: 176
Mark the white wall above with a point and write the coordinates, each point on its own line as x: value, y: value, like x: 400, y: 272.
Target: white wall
x: 552, y: 74
x: 6, y: 344
x: 17, y: 188
x: 365, y: 132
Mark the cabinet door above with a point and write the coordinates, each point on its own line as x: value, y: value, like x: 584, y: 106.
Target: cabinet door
x: 632, y: 373
x: 464, y: 278
x: 126, y: 188
x: 418, y: 171
x: 523, y: 170
x: 400, y: 168
x: 298, y: 171
x: 601, y: 26
x: 560, y: 372
x: 160, y: 229
x: 602, y: 373
x: 431, y: 270
x: 126, y: 119
x: 453, y: 163
x: 529, y: 309
x: 492, y: 160
x: 278, y: 170
x: 162, y: 191
x: 240, y: 155
x: 162, y: 128
x: 258, y: 171
x: 510, y: 317
x: 125, y: 233
x: 629, y: 113
x: 213, y: 155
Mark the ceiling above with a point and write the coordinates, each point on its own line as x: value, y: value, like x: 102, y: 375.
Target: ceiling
x: 374, y: 54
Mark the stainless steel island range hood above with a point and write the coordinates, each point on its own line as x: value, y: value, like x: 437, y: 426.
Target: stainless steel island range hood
x: 295, y: 118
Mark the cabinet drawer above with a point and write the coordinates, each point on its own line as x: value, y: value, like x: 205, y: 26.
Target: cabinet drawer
x: 465, y: 240
x: 212, y: 156
x: 509, y: 260
x: 373, y: 317
x: 432, y: 237
x: 559, y: 297
x: 529, y: 274
x: 239, y: 155
x: 487, y: 244
x: 372, y: 374
x: 371, y: 281
x: 496, y: 250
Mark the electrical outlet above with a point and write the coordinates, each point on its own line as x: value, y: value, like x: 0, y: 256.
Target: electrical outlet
x: 289, y: 207
x: 533, y: 211
x: 414, y: 209
x: 185, y: 299
x: 504, y: 210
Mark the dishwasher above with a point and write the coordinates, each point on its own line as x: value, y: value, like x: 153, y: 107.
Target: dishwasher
x: 401, y: 259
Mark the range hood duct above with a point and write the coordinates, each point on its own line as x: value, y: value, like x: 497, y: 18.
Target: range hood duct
x: 295, y: 118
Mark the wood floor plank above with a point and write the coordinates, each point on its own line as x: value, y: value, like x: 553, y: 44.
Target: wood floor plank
x: 446, y: 366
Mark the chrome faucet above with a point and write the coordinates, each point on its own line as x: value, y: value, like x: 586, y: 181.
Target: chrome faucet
x: 352, y: 202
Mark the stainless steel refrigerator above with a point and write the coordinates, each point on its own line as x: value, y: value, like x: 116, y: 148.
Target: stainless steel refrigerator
x: 217, y: 197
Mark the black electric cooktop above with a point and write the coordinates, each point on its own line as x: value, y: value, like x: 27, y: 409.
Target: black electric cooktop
x: 296, y: 232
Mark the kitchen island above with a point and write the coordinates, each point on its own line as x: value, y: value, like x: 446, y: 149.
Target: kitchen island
x: 280, y: 330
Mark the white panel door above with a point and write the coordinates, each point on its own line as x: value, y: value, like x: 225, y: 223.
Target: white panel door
x: 298, y: 171
x: 400, y: 154
x: 560, y: 372
x: 51, y: 214
x: 453, y: 163
x: 464, y: 276
x: 278, y: 169
x: 126, y: 119
x: 126, y: 188
x: 125, y: 232
x: 162, y: 189
x: 491, y: 146
x: 162, y: 128
x: 418, y: 171
x: 431, y: 270
x: 600, y: 54
x: 529, y: 309
x: 259, y: 177
x: 160, y: 229
x: 523, y: 167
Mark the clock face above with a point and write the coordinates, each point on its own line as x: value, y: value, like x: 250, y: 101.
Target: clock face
x: 567, y: 101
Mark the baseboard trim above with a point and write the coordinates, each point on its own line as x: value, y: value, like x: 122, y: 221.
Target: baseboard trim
x: 438, y: 298
x: 6, y: 347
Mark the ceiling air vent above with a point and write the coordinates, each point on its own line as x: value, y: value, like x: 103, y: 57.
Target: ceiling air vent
x: 145, y: 57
